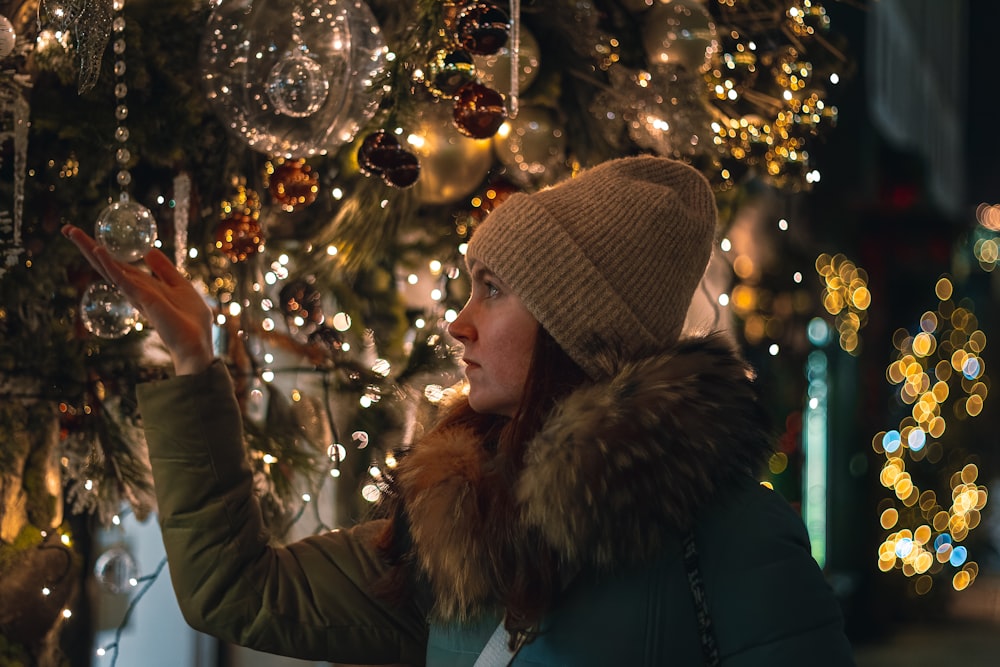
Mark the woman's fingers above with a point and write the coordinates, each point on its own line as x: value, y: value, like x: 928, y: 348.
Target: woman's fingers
x: 87, y: 247
x: 141, y: 289
x: 166, y: 298
x: 164, y: 269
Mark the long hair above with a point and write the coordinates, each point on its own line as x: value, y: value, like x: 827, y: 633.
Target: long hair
x: 526, y: 577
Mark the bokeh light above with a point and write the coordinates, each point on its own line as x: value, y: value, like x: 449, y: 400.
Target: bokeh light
x: 936, y: 363
x: 845, y: 296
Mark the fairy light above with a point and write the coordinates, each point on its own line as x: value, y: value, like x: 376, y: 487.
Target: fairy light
x: 771, y: 128
x: 341, y: 321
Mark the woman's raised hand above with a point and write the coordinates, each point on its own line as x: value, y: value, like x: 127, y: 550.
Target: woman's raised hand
x: 166, y: 298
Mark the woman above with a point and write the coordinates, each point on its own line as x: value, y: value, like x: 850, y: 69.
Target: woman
x: 591, y: 501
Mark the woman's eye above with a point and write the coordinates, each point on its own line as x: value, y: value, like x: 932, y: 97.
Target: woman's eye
x: 491, y: 289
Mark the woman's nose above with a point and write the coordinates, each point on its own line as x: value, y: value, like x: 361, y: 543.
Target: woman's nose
x: 461, y: 327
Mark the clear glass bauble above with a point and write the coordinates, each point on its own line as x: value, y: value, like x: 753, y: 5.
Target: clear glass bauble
x: 297, y: 85
x: 105, y: 311
x: 680, y: 32
x: 115, y: 570
x: 533, y: 147
x: 293, y: 105
x: 126, y: 229
x: 494, y: 70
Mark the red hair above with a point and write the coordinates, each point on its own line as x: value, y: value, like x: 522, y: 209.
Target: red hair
x: 526, y: 577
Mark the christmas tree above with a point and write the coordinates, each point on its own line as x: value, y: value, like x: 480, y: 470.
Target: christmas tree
x: 316, y: 167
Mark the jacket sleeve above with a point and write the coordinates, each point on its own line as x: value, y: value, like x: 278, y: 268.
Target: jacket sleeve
x: 311, y: 599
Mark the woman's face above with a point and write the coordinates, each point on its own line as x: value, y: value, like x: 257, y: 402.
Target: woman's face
x: 498, y: 334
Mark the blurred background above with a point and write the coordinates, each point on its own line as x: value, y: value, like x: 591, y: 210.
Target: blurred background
x: 316, y: 167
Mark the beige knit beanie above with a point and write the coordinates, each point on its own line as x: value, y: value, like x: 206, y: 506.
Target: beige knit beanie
x: 610, y: 258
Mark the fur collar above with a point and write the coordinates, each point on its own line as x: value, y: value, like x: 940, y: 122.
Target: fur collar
x: 619, y: 465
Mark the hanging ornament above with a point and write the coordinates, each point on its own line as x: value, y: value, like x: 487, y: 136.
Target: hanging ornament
x: 376, y: 152
x: 15, y: 112
x: 301, y: 304
x: 105, y: 311
x: 494, y: 70
x: 482, y: 28
x: 449, y: 71
x: 402, y: 171
x: 182, y: 209
x: 293, y: 83
x: 90, y: 23
x: 239, y: 237
x: 115, y: 570
x: 479, y: 111
x: 492, y: 196
x: 127, y: 229
x: 381, y: 155
x: 293, y: 183
x: 532, y: 147
x: 681, y: 32
x: 452, y: 165
x: 7, y: 37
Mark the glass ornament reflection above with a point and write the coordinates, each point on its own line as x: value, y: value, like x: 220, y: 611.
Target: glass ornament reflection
x: 106, y: 313
x: 293, y: 84
x: 297, y: 86
x: 126, y: 229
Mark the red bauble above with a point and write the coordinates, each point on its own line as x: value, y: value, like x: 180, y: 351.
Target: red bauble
x: 404, y: 170
x: 492, y: 196
x: 482, y: 28
x: 293, y: 183
x: 377, y: 152
x: 479, y: 111
x: 380, y: 154
x: 239, y: 236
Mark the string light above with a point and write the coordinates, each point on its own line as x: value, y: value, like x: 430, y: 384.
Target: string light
x: 147, y: 582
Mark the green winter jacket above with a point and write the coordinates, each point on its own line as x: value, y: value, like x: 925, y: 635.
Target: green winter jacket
x: 620, y: 472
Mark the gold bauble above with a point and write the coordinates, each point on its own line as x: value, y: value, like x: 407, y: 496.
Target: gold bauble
x: 681, y: 32
x: 452, y: 165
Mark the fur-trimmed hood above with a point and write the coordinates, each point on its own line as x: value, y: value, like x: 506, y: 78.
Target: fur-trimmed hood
x: 619, y: 466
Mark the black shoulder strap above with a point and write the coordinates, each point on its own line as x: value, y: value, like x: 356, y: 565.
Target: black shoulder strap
x: 708, y: 647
